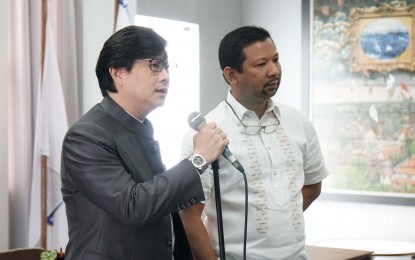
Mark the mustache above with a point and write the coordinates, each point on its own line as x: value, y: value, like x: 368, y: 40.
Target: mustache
x: 273, y: 79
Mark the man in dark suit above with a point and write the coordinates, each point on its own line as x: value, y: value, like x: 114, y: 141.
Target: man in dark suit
x: 121, y: 203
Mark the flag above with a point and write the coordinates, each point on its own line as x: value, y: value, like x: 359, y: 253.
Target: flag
x: 50, y: 128
x: 123, y: 15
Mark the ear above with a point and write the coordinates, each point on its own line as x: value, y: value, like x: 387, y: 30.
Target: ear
x: 230, y: 76
x: 117, y: 76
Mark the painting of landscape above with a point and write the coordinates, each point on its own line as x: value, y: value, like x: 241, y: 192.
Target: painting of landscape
x: 362, y: 93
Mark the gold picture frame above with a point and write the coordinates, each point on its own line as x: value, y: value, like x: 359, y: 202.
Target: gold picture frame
x: 362, y: 17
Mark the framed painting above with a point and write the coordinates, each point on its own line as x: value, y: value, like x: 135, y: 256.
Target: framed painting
x: 361, y: 75
x: 380, y: 38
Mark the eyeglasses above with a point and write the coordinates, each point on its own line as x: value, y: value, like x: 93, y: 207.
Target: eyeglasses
x: 253, y: 130
x: 157, y: 65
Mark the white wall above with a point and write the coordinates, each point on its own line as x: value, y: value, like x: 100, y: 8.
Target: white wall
x: 4, y: 197
x: 283, y: 20
x: 95, y: 30
x: 345, y: 220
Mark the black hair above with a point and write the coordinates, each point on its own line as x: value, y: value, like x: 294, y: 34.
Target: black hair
x: 123, y: 48
x: 231, y: 46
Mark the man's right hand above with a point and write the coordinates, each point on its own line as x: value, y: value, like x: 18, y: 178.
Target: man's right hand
x: 210, y: 142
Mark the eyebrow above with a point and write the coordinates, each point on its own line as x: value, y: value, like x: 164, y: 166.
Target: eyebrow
x: 265, y: 58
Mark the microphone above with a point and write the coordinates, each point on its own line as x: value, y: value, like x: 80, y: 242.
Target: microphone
x: 196, y: 122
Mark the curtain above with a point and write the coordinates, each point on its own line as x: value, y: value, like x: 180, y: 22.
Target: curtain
x: 24, y: 51
x: 22, y: 86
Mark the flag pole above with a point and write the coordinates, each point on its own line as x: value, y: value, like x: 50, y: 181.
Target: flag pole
x: 117, y: 5
x: 43, y: 230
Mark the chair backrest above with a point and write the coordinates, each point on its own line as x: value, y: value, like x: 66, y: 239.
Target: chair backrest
x: 22, y: 254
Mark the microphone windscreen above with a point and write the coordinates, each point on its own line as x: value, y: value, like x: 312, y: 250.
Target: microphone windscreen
x: 196, y: 120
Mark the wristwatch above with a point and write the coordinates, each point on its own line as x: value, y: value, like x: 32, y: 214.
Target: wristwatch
x: 198, y: 162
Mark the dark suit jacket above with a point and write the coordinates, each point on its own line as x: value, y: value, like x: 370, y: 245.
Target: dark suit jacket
x: 117, y: 193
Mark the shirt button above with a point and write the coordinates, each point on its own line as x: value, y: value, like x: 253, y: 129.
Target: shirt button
x: 169, y: 242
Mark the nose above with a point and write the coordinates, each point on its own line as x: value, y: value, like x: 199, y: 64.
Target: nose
x: 164, y: 75
x: 274, y: 69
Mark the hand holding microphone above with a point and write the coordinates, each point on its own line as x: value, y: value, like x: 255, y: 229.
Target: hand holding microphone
x: 209, y: 142
x: 198, y: 123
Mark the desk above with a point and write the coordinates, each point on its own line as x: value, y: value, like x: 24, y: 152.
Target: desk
x: 329, y: 253
x: 379, y: 247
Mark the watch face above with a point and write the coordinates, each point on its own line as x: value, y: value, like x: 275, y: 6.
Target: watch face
x: 198, y: 161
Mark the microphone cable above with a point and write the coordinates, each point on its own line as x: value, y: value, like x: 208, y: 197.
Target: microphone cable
x: 196, y: 121
x: 246, y: 214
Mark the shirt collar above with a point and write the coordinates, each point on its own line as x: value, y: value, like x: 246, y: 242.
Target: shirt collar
x: 240, y: 110
x: 139, y: 120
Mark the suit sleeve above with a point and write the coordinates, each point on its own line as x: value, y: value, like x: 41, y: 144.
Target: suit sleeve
x: 91, y: 166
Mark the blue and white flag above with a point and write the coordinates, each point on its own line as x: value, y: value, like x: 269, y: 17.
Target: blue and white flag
x: 50, y: 128
x: 123, y: 15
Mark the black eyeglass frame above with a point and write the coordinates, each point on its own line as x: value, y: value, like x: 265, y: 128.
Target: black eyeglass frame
x: 157, y: 65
